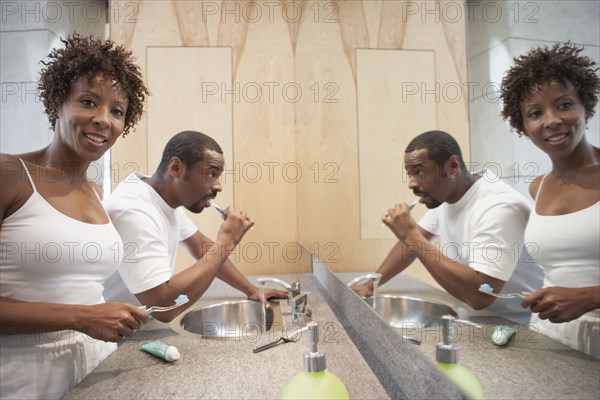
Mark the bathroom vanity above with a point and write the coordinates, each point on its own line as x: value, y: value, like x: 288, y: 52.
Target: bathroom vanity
x: 365, y: 352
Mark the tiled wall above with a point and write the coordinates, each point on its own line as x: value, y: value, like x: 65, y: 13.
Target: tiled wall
x: 498, y: 31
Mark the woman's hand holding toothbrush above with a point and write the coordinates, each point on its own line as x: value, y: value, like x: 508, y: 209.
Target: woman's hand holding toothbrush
x: 110, y: 322
x: 562, y: 304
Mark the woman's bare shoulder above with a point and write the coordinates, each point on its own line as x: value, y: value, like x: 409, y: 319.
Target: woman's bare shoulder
x: 11, y: 167
x: 534, y: 186
x: 15, y: 184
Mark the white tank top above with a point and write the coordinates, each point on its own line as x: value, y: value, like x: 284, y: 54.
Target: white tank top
x: 568, y: 247
x: 48, y: 256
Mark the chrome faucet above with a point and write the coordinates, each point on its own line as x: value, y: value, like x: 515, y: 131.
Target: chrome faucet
x: 293, y: 289
x: 297, y: 301
x: 301, y: 314
x: 375, y: 277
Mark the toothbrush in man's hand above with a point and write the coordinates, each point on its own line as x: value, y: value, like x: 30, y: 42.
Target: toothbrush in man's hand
x: 222, y: 212
x: 413, y: 204
x: 410, y: 207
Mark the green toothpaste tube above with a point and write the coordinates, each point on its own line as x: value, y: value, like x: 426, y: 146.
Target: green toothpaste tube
x: 502, y: 334
x: 162, y: 350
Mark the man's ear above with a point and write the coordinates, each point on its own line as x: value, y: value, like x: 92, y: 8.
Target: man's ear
x: 176, y: 167
x: 452, y: 166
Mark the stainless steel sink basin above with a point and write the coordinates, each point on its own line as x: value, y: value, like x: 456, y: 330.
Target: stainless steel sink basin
x: 229, y: 320
x: 407, y: 312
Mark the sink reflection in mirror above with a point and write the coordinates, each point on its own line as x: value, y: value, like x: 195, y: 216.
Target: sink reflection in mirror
x: 405, y: 312
x: 230, y: 320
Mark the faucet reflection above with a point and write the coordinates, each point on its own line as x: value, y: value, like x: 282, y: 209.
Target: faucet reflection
x: 375, y: 277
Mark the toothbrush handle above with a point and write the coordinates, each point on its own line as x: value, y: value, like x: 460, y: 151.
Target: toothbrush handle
x: 412, y: 205
x: 222, y: 212
x: 268, y: 345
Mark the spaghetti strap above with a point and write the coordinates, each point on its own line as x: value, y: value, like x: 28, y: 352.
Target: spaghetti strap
x: 537, y: 194
x: 96, y: 193
x: 28, y: 175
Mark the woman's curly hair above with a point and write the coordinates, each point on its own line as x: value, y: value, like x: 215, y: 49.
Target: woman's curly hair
x: 542, y: 65
x: 88, y: 56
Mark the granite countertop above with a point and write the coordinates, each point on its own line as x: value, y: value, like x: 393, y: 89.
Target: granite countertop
x: 367, y: 354
x: 217, y: 369
x: 529, y: 366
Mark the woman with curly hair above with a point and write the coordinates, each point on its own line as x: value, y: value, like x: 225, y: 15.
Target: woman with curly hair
x: 549, y: 95
x: 57, y: 243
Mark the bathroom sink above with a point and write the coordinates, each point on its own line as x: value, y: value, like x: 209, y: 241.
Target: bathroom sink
x: 406, y: 312
x: 229, y: 320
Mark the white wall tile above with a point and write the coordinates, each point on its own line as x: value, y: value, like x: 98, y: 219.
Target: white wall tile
x: 20, y: 53
x: 492, y: 45
x: 25, y: 15
x: 23, y: 126
x: 556, y: 20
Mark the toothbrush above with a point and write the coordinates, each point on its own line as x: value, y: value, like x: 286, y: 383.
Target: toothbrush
x: 485, y: 288
x: 410, y: 207
x: 222, y: 212
x: 180, y: 300
x: 413, y: 204
x: 219, y: 210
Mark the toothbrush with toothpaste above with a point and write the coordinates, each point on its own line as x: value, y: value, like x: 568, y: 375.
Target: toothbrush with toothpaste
x: 179, y: 301
x: 485, y: 288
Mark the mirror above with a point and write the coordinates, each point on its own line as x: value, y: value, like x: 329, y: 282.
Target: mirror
x: 315, y: 101
x: 398, y: 76
x: 349, y: 231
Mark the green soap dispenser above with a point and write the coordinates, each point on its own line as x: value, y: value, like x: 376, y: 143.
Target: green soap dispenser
x: 446, y: 355
x: 314, y: 382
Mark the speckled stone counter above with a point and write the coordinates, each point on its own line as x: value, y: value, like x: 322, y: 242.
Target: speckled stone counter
x: 530, y: 366
x: 370, y: 357
x: 216, y: 369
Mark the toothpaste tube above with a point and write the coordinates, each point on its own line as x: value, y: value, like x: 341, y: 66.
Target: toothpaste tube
x: 502, y: 334
x: 162, y: 350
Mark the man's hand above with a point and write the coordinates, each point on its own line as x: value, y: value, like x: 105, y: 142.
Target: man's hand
x: 235, y: 226
x: 365, y: 290
x: 399, y: 220
x: 269, y: 294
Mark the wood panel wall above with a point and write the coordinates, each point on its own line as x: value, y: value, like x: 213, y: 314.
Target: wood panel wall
x: 293, y: 99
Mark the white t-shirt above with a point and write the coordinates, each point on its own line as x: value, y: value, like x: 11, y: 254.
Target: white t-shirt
x: 151, y: 231
x: 485, y: 230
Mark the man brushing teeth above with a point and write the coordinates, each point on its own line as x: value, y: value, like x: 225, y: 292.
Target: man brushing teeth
x: 479, y: 221
x: 148, y: 214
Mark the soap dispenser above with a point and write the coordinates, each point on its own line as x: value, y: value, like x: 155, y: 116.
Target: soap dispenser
x: 315, y: 382
x: 446, y: 355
